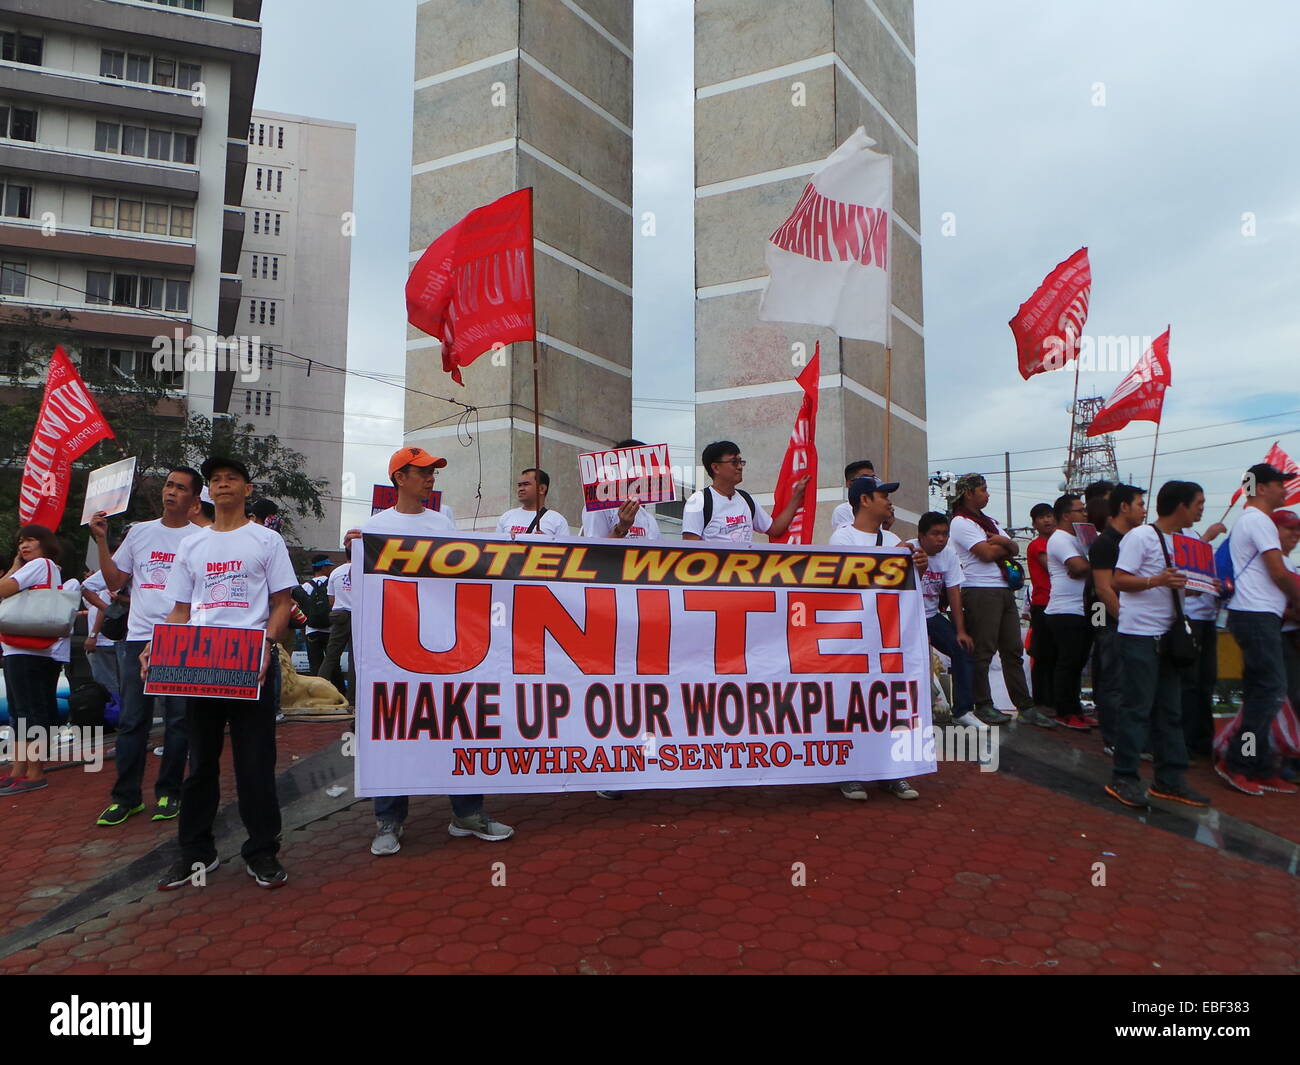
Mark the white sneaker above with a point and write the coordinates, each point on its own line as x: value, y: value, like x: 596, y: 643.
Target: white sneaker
x: 854, y: 790
x: 968, y: 719
x: 479, y: 825
x: 901, y: 789
x: 387, y: 834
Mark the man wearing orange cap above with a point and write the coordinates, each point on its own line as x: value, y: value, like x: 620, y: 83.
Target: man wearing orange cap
x: 411, y: 469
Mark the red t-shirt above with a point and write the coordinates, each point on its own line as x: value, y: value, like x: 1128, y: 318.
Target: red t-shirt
x: 1038, y: 572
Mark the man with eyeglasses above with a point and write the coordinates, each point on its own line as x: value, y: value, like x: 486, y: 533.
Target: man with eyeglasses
x: 724, y: 512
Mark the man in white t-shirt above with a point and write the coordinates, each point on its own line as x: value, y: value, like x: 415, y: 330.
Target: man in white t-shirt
x: 101, y: 652
x: 629, y: 520
x: 1263, y: 589
x: 339, y: 587
x: 1068, y: 569
x: 531, y: 517
x: 233, y: 574
x: 411, y: 471
x: 992, y: 614
x: 843, y: 514
x: 1200, y: 681
x: 1150, y: 599
x: 145, y: 558
x: 723, y: 512
x: 1288, y: 534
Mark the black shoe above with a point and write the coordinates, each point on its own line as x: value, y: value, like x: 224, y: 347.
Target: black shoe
x: 267, y: 871
x: 1129, y: 792
x: 181, y: 872
x: 1179, y: 793
x: 991, y: 716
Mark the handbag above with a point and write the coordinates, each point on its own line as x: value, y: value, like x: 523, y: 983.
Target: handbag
x: 40, y: 616
x: 1013, y: 573
x: 113, y: 625
x: 1178, y: 646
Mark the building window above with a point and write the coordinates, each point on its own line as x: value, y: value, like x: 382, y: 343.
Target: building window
x: 155, y: 218
x: 182, y: 221
x: 280, y: 143
x: 264, y: 261
x: 128, y: 215
x: 13, y: 279
x: 261, y: 134
x: 137, y: 68
x: 135, y: 140
x: 277, y: 225
x: 125, y: 289
x: 17, y: 123
x: 261, y: 312
x: 152, y: 290
x: 250, y: 132
x: 178, y: 295
x: 185, y: 148
x: 99, y: 287
x: 103, y: 212
x: 275, y: 269
x: 254, y: 273
x: 248, y: 402
x: 160, y: 144
x: 267, y: 359
x: 252, y: 310
x: 112, y: 64
x: 107, y: 136
x: 164, y: 73
x: 259, y: 179
x: 257, y: 221
x: 272, y: 322
x: 189, y: 75
x: 17, y: 201
x: 279, y: 181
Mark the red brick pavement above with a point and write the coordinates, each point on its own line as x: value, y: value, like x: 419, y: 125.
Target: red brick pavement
x: 985, y: 873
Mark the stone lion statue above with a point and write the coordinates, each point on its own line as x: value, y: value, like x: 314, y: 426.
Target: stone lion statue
x: 306, y: 693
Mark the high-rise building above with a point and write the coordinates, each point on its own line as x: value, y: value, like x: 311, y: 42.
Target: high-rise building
x: 122, y: 153
x: 296, y: 255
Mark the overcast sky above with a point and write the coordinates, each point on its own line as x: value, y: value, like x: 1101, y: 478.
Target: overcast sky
x: 1154, y: 133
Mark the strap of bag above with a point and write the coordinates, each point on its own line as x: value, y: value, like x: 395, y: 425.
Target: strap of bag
x: 536, y: 521
x: 880, y: 537
x: 1178, y: 599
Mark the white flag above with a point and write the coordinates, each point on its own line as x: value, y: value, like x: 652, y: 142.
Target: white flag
x: 829, y: 261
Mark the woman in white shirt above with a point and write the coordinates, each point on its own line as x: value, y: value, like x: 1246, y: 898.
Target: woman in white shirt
x: 31, y: 665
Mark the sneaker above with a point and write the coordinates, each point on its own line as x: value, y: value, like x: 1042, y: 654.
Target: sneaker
x: 969, y: 720
x: 179, y: 873
x: 901, y: 789
x: 854, y: 790
x: 1108, y: 750
x: 165, y: 809
x: 1129, y: 792
x: 1034, y: 716
x: 1074, y: 721
x: 158, y: 752
x: 1180, y: 793
x: 1147, y: 756
x: 17, y: 787
x: 609, y: 794
x: 387, y: 834
x: 991, y: 716
x: 116, y: 814
x: 1237, y: 781
x: 267, y: 871
x: 1278, y: 785
x: 479, y: 825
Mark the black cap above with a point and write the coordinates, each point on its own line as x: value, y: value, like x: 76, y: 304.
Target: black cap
x: 218, y: 462
x: 1263, y: 473
x: 264, y: 508
x: 321, y: 560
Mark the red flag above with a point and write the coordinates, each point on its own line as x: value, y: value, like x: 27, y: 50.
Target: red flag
x: 1280, y: 460
x: 1048, y: 325
x: 1140, y: 397
x: 801, y: 458
x: 473, y: 286
x: 69, y: 424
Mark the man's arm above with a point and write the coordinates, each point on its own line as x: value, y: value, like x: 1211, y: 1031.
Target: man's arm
x: 1123, y: 581
x: 114, y: 577
x: 1281, y: 576
x: 959, y: 618
x: 781, y: 523
x: 626, y: 516
x: 1104, y: 587
x: 1077, y: 567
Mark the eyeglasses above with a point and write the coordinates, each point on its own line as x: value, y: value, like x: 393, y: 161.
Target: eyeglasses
x: 738, y: 463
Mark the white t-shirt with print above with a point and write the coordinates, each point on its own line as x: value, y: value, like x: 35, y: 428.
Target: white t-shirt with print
x: 395, y: 523
x: 40, y: 571
x: 848, y: 536
x: 731, y: 522
x: 965, y: 534
x: 340, y: 586
x: 1252, y: 535
x: 645, y: 526
x: 1067, y: 592
x: 943, y: 571
x: 841, y: 515
x: 228, y: 578
x: 147, y: 554
x: 516, y: 522
x: 1149, y: 612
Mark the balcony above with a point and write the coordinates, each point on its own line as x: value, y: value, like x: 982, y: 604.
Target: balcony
x: 83, y: 244
x: 126, y: 99
x: 232, y: 239
x: 114, y: 323
x: 66, y: 164
x: 228, y: 305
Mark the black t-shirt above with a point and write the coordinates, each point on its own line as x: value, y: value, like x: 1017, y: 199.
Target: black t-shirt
x: 1104, y: 554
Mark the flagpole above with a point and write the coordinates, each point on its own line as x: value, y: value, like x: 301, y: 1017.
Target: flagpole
x: 1151, y: 481
x: 537, y: 400
x: 1074, y: 407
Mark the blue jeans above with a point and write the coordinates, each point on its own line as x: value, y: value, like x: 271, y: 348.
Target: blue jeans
x: 1151, y: 705
x: 133, y: 728
x: 395, y: 807
x: 1263, y: 683
x: 943, y: 638
x: 1107, y: 682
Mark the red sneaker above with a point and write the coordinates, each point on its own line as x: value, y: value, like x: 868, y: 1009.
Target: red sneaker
x: 1277, y: 784
x: 1075, y: 722
x: 1238, y: 782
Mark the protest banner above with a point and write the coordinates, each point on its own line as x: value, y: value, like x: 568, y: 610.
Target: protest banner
x: 1086, y: 533
x: 1194, y: 559
x: 108, y: 489
x: 504, y: 666
x: 207, y: 661
x: 610, y: 477
x: 384, y: 497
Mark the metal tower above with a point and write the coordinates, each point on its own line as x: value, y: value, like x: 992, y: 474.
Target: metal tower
x: 1091, y: 458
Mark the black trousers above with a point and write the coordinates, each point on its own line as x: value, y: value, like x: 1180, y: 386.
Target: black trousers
x: 1198, y: 690
x: 317, y: 642
x: 252, y: 745
x: 1042, y: 649
x: 1073, y: 637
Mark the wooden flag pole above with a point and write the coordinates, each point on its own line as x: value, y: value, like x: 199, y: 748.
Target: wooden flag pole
x: 889, y: 402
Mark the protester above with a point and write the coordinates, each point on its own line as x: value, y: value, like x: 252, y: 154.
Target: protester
x: 1064, y: 614
x: 411, y: 469
x: 146, y: 557
x: 1150, y: 604
x: 992, y: 617
x: 1128, y: 510
x: 1288, y: 534
x: 312, y: 597
x: 31, y: 664
x: 941, y: 587
x: 870, y: 501
x: 1199, y: 681
x: 629, y: 520
x: 843, y: 514
x: 1263, y: 590
x: 725, y: 513
x: 339, y: 588
x: 531, y: 517
x: 265, y: 512
x: 234, y: 574
x: 100, y: 649
x: 1042, y: 648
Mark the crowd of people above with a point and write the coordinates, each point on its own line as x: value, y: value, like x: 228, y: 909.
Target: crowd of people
x: 1104, y: 596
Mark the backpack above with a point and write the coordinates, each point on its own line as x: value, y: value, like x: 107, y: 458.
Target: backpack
x: 708, y: 505
x: 1224, y: 569
x: 315, y: 604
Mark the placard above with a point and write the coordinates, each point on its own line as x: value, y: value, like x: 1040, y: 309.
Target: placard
x: 384, y: 497
x: 1194, y: 559
x: 611, y: 477
x: 109, y: 489
x: 205, y: 661
x: 1086, y: 533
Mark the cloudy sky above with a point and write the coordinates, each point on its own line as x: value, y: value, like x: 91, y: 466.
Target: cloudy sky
x: 1155, y: 133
